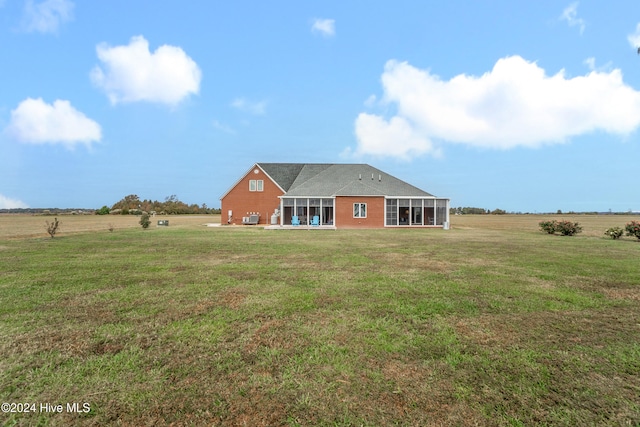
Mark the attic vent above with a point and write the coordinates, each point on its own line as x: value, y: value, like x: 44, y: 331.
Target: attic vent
x: 360, y: 176
x: 379, y: 177
x: 371, y: 177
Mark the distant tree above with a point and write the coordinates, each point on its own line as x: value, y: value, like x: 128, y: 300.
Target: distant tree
x: 498, y: 212
x: 132, y: 201
x: 103, y: 211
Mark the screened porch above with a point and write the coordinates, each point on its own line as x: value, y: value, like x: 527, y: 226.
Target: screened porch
x: 306, y: 208
x: 416, y: 212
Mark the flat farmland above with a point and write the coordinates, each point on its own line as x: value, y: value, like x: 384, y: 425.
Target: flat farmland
x: 491, y: 323
x: 18, y: 226
x: 14, y: 226
x: 593, y: 225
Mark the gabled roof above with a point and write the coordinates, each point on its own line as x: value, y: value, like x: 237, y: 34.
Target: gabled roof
x: 329, y: 180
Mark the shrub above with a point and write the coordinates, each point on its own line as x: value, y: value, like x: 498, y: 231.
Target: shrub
x: 548, y: 226
x: 614, y: 232
x: 144, y: 220
x: 52, y: 227
x: 103, y: 211
x: 568, y: 228
x: 633, y: 229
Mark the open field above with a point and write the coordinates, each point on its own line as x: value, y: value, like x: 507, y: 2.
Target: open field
x: 489, y: 323
x: 16, y: 226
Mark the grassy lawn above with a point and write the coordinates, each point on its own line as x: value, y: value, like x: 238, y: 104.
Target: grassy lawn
x: 478, y: 325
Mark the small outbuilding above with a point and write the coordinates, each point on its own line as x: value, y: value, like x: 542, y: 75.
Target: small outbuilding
x: 329, y: 196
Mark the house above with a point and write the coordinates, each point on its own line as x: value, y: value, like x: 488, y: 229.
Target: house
x: 341, y: 195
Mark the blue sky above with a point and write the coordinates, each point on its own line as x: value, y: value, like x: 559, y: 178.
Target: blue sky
x: 523, y: 106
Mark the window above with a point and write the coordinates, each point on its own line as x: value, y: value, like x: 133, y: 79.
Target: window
x: 359, y: 210
x: 256, y: 185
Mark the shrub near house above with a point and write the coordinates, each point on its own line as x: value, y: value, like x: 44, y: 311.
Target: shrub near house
x: 566, y: 228
x: 633, y: 229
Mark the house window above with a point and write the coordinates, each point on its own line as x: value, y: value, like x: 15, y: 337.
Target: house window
x: 256, y: 185
x: 359, y: 210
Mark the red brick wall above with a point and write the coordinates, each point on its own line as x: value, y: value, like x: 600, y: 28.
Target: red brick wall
x: 240, y: 200
x: 344, y: 212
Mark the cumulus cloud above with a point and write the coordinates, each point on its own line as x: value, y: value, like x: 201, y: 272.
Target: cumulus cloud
x: 326, y: 27
x: 36, y: 122
x: 132, y: 73
x: 46, y: 16
x: 258, y: 108
x: 634, y: 38
x: 516, y: 104
x: 570, y: 15
x: 7, y: 203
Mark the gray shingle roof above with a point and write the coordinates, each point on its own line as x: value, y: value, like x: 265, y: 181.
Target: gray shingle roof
x: 328, y: 180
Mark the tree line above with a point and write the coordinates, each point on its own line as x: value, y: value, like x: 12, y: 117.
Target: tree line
x: 476, y: 211
x: 132, y: 204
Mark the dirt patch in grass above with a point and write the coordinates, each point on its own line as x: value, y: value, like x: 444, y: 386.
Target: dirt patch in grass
x: 232, y: 298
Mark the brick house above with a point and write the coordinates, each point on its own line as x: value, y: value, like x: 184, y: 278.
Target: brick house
x: 341, y: 195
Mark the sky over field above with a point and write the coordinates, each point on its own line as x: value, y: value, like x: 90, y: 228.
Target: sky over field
x: 522, y: 106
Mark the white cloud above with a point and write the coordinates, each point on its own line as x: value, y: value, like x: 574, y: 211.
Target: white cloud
x: 36, y: 122
x: 570, y: 15
x: 514, y: 105
x: 634, y: 38
x: 224, y: 128
x: 395, y: 138
x: 132, y: 73
x: 7, y: 203
x: 326, y: 27
x: 46, y: 16
x: 258, y: 108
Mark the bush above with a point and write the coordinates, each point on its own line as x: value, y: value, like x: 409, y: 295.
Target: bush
x: 103, y: 211
x: 548, y: 226
x: 144, y: 220
x: 568, y: 228
x: 633, y: 229
x: 52, y: 227
x: 614, y: 232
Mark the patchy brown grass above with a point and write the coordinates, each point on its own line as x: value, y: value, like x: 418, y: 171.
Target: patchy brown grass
x: 234, y: 326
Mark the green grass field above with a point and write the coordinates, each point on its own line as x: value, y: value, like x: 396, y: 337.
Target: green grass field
x: 479, y: 325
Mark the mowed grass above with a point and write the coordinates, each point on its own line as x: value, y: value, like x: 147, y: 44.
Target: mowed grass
x: 484, y: 324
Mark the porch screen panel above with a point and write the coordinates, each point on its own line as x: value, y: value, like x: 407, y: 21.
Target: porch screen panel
x: 392, y: 211
x: 327, y: 212
x: 301, y: 208
x: 314, y: 208
x: 287, y: 210
x: 404, y: 215
x: 429, y: 212
x: 416, y: 212
x: 441, y: 212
